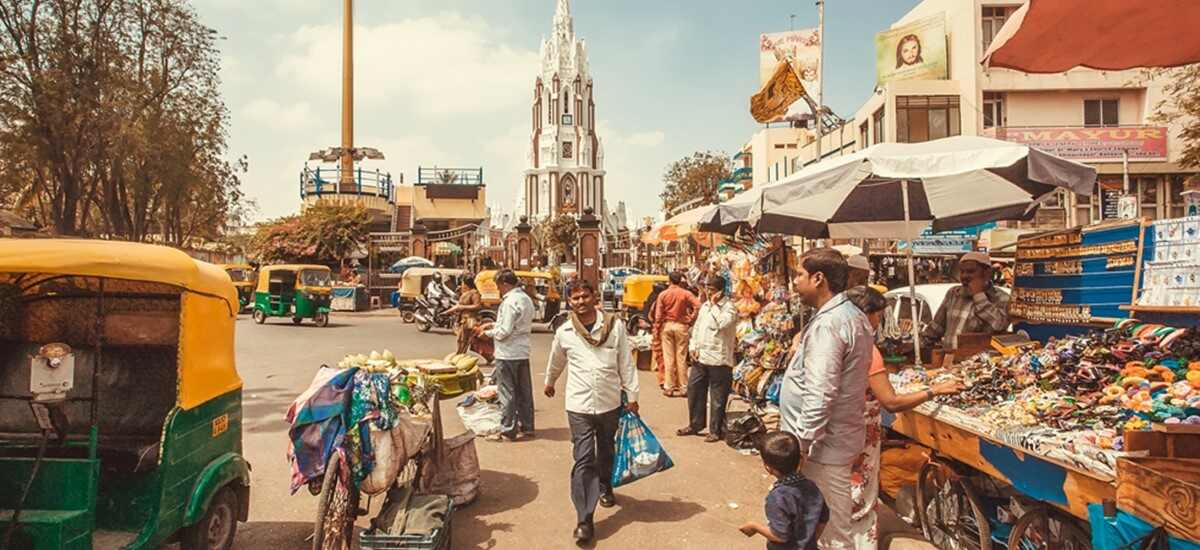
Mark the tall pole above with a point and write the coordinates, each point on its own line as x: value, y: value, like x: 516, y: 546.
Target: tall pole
x: 347, y: 176
x: 820, y: 75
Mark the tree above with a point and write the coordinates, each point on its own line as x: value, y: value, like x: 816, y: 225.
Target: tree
x: 1181, y: 102
x: 324, y: 233
x: 694, y: 178
x: 111, y: 119
x: 556, y: 237
x: 446, y: 177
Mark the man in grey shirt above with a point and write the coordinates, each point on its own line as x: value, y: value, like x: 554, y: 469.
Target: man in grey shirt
x: 824, y: 390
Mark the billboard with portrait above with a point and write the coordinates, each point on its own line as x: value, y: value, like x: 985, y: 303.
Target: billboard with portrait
x: 915, y: 51
x: 804, y: 48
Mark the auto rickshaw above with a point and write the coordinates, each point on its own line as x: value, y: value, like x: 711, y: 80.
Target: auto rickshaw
x: 242, y: 276
x: 542, y: 288
x: 412, y: 286
x: 297, y: 291
x: 637, y: 290
x: 85, y: 325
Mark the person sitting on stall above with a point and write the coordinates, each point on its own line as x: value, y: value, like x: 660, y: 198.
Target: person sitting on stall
x: 976, y: 306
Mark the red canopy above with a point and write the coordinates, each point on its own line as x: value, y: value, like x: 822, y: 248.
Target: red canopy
x: 1052, y: 36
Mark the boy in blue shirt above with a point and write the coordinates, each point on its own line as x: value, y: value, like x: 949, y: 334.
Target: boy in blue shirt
x: 796, y: 511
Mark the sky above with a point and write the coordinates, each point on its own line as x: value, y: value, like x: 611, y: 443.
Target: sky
x: 448, y: 82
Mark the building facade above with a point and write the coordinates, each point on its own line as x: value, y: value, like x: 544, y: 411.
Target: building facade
x: 566, y: 156
x: 1102, y: 118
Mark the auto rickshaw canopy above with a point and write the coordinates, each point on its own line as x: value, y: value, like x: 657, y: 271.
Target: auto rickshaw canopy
x: 264, y: 274
x: 410, y: 281
x: 208, y: 301
x: 638, y: 288
x: 485, y: 282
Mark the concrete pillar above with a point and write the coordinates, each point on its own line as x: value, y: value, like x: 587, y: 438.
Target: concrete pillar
x: 420, y: 244
x: 589, y: 247
x: 346, y: 178
x: 524, y: 244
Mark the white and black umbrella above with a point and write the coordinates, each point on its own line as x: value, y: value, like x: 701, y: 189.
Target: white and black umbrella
x: 896, y: 190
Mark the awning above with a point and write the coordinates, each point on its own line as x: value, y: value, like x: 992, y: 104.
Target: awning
x: 446, y: 248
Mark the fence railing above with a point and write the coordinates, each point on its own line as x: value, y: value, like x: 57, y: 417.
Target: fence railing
x: 329, y: 181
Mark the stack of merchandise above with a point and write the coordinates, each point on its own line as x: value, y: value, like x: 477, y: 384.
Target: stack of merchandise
x: 763, y: 350
x: 1077, y: 395
x: 1172, y: 278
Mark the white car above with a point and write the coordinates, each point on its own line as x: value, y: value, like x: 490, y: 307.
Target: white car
x: 897, y: 318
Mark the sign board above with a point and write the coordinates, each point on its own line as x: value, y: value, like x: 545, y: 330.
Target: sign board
x: 804, y: 47
x: 943, y: 245
x: 1127, y: 207
x: 1144, y: 143
x: 1110, y: 197
x: 916, y: 51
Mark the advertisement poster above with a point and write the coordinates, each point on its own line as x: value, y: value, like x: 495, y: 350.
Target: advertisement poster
x: 916, y: 51
x: 804, y: 48
x: 1144, y: 143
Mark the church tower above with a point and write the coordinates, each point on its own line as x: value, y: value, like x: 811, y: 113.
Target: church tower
x: 566, y: 157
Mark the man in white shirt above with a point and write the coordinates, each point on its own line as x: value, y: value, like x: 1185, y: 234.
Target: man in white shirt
x: 514, y: 323
x: 594, y: 350
x: 711, y: 375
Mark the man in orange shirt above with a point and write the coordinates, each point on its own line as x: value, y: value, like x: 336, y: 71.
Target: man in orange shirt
x: 676, y: 309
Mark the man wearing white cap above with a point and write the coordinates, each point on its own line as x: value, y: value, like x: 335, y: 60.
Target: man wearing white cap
x: 974, y: 307
x: 859, y: 273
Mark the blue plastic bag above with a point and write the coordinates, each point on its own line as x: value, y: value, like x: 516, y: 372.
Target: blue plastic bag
x: 638, y: 453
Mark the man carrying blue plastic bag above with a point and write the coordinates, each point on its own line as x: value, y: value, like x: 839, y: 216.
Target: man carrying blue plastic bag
x: 594, y: 350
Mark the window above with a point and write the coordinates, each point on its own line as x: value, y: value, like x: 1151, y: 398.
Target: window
x: 924, y: 118
x: 568, y: 119
x: 993, y: 109
x: 1083, y: 209
x: 1176, y: 207
x: 1100, y: 112
x: 994, y: 18
x: 1147, y: 190
x: 864, y: 134
x: 877, y: 119
x: 568, y: 149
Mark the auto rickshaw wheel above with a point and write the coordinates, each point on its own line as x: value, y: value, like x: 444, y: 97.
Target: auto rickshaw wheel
x: 407, y: 317
x: 337, y: 509
x: 259, y: 316
x: 214, y: 531
x: 297, y: 320
x: 321, y: 319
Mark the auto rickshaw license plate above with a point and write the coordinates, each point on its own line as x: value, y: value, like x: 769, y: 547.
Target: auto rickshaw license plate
x: 220, y: 425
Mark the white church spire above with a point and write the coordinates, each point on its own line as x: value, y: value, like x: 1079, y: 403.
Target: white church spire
x: 563, y: 24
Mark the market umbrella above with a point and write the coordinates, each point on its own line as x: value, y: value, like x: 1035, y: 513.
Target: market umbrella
x: 411, y: 261
x: 1053, y: 36
x: 896, y: 190
x: 677, y: 227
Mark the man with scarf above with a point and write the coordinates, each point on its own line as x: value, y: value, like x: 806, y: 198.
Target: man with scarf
x: 595, y: 352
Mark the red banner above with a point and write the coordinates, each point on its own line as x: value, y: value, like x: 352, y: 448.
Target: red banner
x: 1144, y: 143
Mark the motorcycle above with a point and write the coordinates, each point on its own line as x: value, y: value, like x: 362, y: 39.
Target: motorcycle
x: 430, y: 311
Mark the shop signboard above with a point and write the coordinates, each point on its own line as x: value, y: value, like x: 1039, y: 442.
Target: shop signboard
x: 916, y: 51
x: 954, y: 241
x: 1083, y: 144
x: 804, y: 47
x: 1110, y: 199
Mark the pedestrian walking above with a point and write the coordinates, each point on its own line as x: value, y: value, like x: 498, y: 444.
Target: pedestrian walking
x: 676, y: 309
x: 511, y: 331
x: 594, y: 352
x: 656, y: 350
x: 796, y: 512
x: 825, y: 386
x: 711, y: 375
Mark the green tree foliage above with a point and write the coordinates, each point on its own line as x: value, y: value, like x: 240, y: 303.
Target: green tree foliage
x: 556, y: 237
x: 694, y: 178
x: 1181, y: 102
x: 324, y: 233
x: 111, y: 120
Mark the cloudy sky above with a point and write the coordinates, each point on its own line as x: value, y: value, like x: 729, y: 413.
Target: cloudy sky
x: 448, y: 82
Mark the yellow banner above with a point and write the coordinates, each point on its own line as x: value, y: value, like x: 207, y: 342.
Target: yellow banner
x: 779, y: 93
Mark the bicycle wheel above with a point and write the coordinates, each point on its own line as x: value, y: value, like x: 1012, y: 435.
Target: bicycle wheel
x: 1042, y: 528
x: 950, y: 514
x: 337, y: 509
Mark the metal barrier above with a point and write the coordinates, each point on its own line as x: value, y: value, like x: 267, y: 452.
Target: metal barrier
x: 327, y: 181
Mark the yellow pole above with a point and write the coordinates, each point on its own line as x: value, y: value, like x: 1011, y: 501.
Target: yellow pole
x: 347, y: 93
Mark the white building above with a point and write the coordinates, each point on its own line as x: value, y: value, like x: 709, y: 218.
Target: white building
x: 566, y: 157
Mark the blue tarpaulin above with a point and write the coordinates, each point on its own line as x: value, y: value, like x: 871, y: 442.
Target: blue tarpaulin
x: 1125, y: 531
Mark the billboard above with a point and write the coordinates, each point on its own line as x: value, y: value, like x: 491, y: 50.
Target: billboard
x: 916, y: 51
x: 804, y: 48
x: 1144, y: 143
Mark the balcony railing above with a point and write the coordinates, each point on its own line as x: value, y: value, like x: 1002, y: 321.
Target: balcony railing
x: 449, y: 176
x: 328, y: 181
x: 743, y: 173
x: 1090, y: 143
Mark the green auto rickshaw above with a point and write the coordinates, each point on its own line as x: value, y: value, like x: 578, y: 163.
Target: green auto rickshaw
x: 297, y: 291
x: 243, y: 279
x: 84, y: 327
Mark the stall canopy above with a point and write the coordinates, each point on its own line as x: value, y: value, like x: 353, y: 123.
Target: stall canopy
x: 678, y: 226
x: 896, y: 190
x: 1053, y: 36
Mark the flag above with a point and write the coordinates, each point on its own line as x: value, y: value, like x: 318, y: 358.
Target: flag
x: 773, y: 100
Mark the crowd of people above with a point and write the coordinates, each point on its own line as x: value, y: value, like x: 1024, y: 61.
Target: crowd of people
x: 825, y: 456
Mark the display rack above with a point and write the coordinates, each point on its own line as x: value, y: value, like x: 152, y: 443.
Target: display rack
x: 1070, y: 281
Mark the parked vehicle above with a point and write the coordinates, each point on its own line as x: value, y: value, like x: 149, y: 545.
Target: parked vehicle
x: 897, y: 318
x: 297, y: 291
x: 243, y: 278
x: 541, y: 287
x: 121, y: 408
x: 637, y: 289
x: 613, y: 288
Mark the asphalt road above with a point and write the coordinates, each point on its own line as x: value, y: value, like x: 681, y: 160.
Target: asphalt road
x: 524, y: 501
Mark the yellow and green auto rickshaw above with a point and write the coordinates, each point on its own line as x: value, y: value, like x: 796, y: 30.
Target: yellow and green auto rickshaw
x: 243, y: 279
x: 542, y: 288
x: 84, y: 325
x: 637, y: 289
x: 297, y: 291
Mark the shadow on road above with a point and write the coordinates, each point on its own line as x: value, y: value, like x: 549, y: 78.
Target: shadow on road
x: 553, y: 434
x: 273, y: 534
x: 265, y: 409
x: 501, y: 491
x: 631, y: 510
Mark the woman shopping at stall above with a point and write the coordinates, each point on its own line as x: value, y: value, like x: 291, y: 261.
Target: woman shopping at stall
x: 469, y: 303
x: 864, y: 479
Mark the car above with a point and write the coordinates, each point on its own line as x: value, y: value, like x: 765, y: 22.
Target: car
x: 897, y: 318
